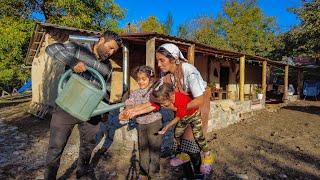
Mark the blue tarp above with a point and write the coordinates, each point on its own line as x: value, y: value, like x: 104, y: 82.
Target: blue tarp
x: 311, y: 88
x: 25, y: 87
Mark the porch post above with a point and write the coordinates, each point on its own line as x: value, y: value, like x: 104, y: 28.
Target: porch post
x: 151, y: 53
x: 191, y: 50
x: 242, y: 76
x: 300, y: 81
x: 264, y: 79
x: 286, y: 83
x: 209, y: 70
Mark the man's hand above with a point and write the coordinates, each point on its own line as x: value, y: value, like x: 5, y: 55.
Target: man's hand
x: 80, y: 67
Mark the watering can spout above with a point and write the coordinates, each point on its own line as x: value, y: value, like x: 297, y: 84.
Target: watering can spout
x: 104, y: 107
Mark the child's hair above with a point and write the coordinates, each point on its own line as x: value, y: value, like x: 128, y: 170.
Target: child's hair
x: 144, y: 69
x: 162, y: 92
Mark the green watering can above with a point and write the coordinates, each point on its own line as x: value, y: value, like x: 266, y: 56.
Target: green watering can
x: 80, y: 98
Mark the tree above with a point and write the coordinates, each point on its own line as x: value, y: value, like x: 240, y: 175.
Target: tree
x: 168, y: 24
x: 14, y: 38
x: 17, y: 25
x: 247, y: 29
x: 16, y: 8
x: 182, y: 31
x: 87, y: 14
x: 304, y: 38
x: 130, y: 28
x: 207, y: 32
x: 151, y: 24
x: 240, y: 27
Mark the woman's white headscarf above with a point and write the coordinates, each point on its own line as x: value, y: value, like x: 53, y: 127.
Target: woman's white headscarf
x: 174, y: 51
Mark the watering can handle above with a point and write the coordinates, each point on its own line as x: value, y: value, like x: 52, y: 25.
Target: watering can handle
x: 91, y: 70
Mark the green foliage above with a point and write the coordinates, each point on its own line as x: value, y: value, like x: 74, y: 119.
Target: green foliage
x: 212, y: 83
x: 182, y: 31
x: 86, y: 14
x: 17, y: 25
x: 16, y: 8
x: 207, y: 32
x: 240, y: 27
x: 246, y: 28
x: 14, y: 38
x: 151, y: 24
x: 304, y: 38
x: 89, y: 14
x: 168, y: 24
x: 258, y: 90
x: 130, y: 28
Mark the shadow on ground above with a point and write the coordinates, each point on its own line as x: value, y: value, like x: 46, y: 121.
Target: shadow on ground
x: 306, y: 109
x: 276, y: 161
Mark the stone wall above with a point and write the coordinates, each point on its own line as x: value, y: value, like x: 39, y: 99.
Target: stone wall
x: 226, y: 112
x: 222, y: 114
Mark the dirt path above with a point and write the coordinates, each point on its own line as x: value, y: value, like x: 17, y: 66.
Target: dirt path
x: 282, y: 144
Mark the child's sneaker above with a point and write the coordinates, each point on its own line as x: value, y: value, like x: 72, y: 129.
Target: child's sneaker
x: 206, y: 165
x: 180, y: 158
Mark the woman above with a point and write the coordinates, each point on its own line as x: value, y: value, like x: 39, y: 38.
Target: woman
x: 187, y: 79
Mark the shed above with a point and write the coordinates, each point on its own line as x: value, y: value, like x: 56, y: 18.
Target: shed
x: 233, y: 76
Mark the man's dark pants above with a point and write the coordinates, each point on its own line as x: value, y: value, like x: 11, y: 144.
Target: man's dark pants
x: 60, y: 129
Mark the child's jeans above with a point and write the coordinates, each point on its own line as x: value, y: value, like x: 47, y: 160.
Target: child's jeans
x: 167, y: 139
x: 109, y: 128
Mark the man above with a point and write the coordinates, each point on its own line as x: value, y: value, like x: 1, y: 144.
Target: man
x: 77, y: 57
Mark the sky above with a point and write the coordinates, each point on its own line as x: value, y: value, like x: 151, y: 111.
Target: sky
x: 184, y: 10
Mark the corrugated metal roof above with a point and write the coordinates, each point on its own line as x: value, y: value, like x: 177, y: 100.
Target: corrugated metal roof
x: 42, y: 28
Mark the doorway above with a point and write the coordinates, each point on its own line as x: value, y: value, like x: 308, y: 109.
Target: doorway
x: 224, y: 77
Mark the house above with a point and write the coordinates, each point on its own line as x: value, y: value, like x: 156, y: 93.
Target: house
x: 233, y: 76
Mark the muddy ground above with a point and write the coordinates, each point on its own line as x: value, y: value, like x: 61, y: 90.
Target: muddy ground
x: 276, y: 143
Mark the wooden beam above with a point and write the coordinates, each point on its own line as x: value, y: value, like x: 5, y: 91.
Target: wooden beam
x: 286, y: 83
x: 173, y: 41
x: 300, y: 81
x: 209, y: 70
x: 264, y: 79
x: 191, y: 50
x: 151, y: 53
x: 242, y: 76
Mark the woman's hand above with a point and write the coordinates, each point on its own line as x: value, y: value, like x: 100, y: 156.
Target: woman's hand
x: 163, y: 130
